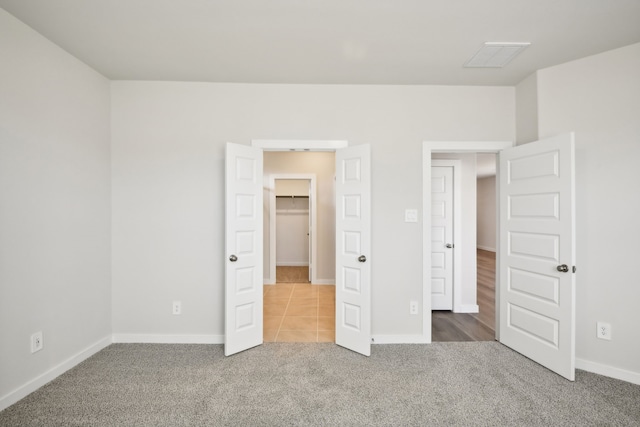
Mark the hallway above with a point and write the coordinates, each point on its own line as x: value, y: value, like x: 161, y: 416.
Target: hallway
x: 449, y: 326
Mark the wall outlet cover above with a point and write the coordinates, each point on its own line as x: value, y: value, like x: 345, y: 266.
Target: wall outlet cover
x: 413, y: 307
x: 37, y: 342
x: 603, y: 331
x: 177, y: 307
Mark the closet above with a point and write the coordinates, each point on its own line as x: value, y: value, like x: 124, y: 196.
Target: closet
x: 292, y: 222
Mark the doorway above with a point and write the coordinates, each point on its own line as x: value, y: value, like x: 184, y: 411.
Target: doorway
x: 293, y: 237
x: 299, y: 290
x: 244, y: 237
x: 448, y: 150
x: 290, y: 222
x: 465, y: 201
x: 536, y: 182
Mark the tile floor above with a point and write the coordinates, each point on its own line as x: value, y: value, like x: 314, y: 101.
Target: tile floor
x: 299, y: 312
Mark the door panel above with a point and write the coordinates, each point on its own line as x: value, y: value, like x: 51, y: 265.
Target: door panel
x: 537, y: 301
x: 441, y: 235
x: 353, y: 248
x: 243, y: 241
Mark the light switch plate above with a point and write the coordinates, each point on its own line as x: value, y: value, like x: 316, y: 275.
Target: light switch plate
x: 411, y: 215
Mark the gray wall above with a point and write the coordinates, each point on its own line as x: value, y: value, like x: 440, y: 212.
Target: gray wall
x: 527, y: 110
x: 486, y: 213
x: 168, y: 184
x: 54, y: 206
x: 599, y: 98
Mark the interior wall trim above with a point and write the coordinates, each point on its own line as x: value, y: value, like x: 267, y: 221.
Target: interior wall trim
x: 168, y: 339
x: 51, y: 374
x: 608, y: 371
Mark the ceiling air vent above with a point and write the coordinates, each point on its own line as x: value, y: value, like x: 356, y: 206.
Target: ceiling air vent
x: 495, y: 54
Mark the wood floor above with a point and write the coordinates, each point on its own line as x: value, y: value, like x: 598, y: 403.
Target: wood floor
x: 448, y: 326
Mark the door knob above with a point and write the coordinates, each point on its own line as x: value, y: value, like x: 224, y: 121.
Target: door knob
x: 233, y: 258
x: 362, y: 258
x: 448, y: 245
x: 563, y: 268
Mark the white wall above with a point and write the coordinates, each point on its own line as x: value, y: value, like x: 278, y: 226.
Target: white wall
x: 599, y: 98
x: 527, y: 110
x: 54, y: 208
x: 468, y: 294
x: 486, y: 213
x: 168, y: 174
x: 292, y: 187
x: 323, y: 166
x: 292, y: 231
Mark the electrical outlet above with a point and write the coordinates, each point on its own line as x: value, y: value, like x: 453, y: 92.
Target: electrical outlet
x: 177, y: 307
x: 603, y: 331
x: 36, y: 342
x: 413, y: 307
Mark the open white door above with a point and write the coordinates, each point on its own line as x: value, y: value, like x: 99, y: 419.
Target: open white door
x: 243, y: 240
x: 353, y: 248
x: 537, y: 252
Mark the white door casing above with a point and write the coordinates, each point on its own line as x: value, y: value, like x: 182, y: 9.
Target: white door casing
x: 353, y: 248
x: 270, y: 182
x: 441, y: 237
x: 311, y: 234
x: 292, y: 232
x: 243, y: 243
x: 429, y: 148
x: 537, y: 209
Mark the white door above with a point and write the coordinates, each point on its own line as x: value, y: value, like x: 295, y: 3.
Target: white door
x: 537, y: 252
x: 441, y: 237
x: 243, y: 240
x: 353, y: 248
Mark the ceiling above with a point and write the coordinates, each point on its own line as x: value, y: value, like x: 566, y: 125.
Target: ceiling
x: 326, y: 41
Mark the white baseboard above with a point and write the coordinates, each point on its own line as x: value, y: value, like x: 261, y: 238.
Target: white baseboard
x: 399, y: 339
x: 466, y: 308
x: 167, y: 339
x: 292, y: 264
x: 324, y: 282
x: 317, y: 282
x: 31, y: 386
x: 608, y: 371
x: 486, y: 248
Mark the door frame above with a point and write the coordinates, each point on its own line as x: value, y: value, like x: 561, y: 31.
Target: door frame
x: 456, y: 302
x: 285, y: 145
x: 299, y: 144
x: 272, y: 178
x: 429, y: 147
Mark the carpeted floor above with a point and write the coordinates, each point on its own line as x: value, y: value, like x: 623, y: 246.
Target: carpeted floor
x: 470, y: 384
